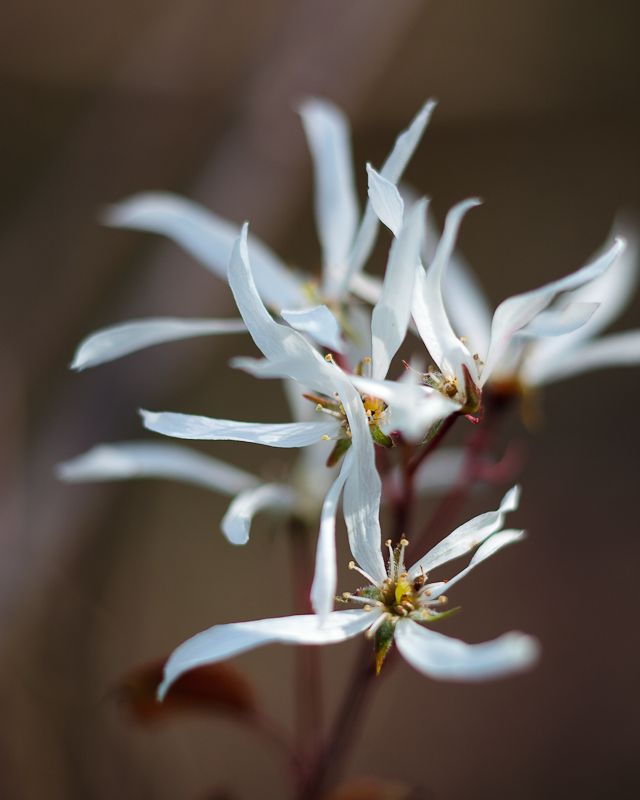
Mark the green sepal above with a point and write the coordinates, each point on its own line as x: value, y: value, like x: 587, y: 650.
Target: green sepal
x: 432, y: 431
x: 442, y: 614
x: 371, y: 593
x: 339, y: 449
x: 382, y: 642
x: 379, y: 437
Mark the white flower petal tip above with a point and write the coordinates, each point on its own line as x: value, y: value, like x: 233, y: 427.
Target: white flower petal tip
x: 116, y: 341
x: 133, y: 460
x: 287, y: 434
x: 386, y: 201
x: 558, y: 322
x: 319, y: 323
x: 236, y: 523
x: 444, y: 658
x: 225, y: 641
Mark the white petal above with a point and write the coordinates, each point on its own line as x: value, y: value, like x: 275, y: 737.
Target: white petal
x: 286, y: 434
x: 277, y: 342
x: 120, y: 340
x: 491, y: 546
x: 236, y: 523
x: 390, y: 318
x: 208, y: 238
x: 386, y: 201
x: 516, y: 312
x: 325, y: 579
x: 465, y: 302
x: 617, y: 350
x: 428, y: 309
x: 366, y: 287
x: 363, y: 487
x: 444, y: 658
x: 336, y: 203
x: 392, y: 171
x: 304, y: 370
x: 467, y: 536
x: 560, y: 321
x: 319, y: 323
x: 225, y: 641
x: 123, y: 460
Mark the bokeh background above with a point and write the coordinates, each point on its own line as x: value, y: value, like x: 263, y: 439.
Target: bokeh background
x: 539, y: 115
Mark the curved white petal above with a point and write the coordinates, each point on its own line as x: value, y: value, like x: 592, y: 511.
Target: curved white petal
x: 285, y: 434
x: 386, y: 201
x: 116, y: 341
x: 560, y: 321
x: 325, y: 579
x: 617, y: 350
x: 336, y: 203
x: 208, y: 238
x: 366, y: 287
x: 444, y: 658
x: 467, y: 536
x: 304, y: 371
x: 319, y: 323
x: 490, y: 546
x: 464, y: 299
x: 277, y: 342
x: 392, y: 171
x: 428, y: 310
x: 225, y: 641
x: 363, y: 487
x: 236, y: 523
x: 124, y: 460
x: 391, y: 314
x: 515, y: 312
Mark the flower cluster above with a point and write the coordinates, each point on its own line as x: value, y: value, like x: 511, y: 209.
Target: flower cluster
x: 351, y: 421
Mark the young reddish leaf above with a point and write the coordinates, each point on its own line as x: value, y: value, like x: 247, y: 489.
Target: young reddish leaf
x: 213, y: 688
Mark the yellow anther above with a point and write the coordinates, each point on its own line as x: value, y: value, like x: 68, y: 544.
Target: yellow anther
x: 328, y: 357
x: 427, y: 593
x: 345, y: 595
x: 442, y: 599
x: 367, y: 360
x: 463, y: 338
x: 325, y: 438
x: 367, y: 607
x: 404, y: 542
x: 352, y: 564
x: 387, y: 543
x: 319, y: 407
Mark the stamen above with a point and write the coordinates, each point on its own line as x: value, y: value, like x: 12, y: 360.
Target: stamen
x: 328, y: 357
x: 367, y: 607
x: 353, y: 565
x: 372, y: 630
x: 367, y: 361
x: 404, y: 542
x: 325, y: 438
x: 463, y: 338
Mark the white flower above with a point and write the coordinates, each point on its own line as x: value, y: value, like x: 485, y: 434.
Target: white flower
x: 346, y: 244
x: 464, y: 365
x: 396, y: 607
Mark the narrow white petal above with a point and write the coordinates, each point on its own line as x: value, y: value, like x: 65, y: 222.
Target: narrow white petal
x: 336, y: 203
x: 515, y: 312
x: 124, y: 460
x: 116, y: 341
x: 366, y: 287
x: 363, y: 487
x: 319, y: 323
x: 392, y: 171
x: 428, y: 310
x: 490, y: 546
x: 325, y: 579
x: 277, y: 342
x: 303, y: 370
x: 236, y: 523
x: 285, y: 434
x: 391, y: 314
x: 444, y: 658
x: 617, y: 350
x: 467, y: 536
x: 225, y: 641
x: 465, y: 302
x: 560, y: 321
x: 208, y: 238
x: 386, y: 201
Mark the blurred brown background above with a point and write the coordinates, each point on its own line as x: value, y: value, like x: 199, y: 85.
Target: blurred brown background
x: 539, y: 115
